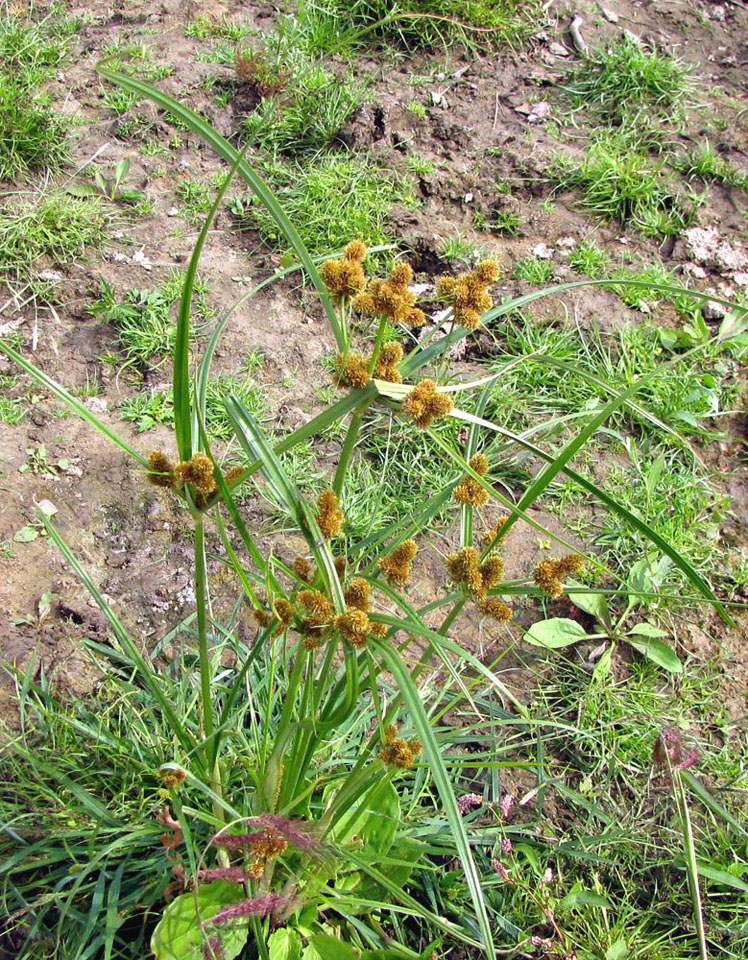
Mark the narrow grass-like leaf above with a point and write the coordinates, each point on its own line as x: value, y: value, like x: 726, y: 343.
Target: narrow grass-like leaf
x: 146, y: 674
x: 224, y: 149
x: 443, y: 783
x: 70, y: 401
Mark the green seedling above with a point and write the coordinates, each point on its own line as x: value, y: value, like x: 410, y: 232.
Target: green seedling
x: 38, y: 462
x: 111, y: 188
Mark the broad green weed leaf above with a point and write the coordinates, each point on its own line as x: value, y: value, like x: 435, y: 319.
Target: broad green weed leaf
x: 593, y: 603
x: 647, y: 629
x: 284, y: 944
x: 329, y: 948
x: 178, y: 936
x: 658, y: 652
x: 555, y: 633
x: 714, y: 872
x: 585, y: 898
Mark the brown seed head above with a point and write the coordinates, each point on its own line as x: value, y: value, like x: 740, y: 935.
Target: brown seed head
x: 396, y: 566
x: 161, y: 469
x: 352, y: 371
x: 570, y: 564
x: 198, y: 471
x: 479, y: 463
x: 358, y: 594
x: 319, y: 609
x: 469, y: 491
x: 490, y: 535
x: 269, y: 844
x: 488, y: 271
x: 495, y: 608
x: 262, y: 617
x: 172, y: 778
x: 424, y: 404
x: 344, y: 278
x: 233, y: 473
x: 330, y: 517
x: 491, y: 571
x: 284, y: 611
x: 546, y: 576
x: 356, y: 250
x: 354, y: 626
x: 303, y: 569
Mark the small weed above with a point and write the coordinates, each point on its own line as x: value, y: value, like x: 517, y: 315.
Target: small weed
x: 534, y: 270
x: 507, y: 222
x: 589, y: 259
x: 704, y: 162
x: 119, y: 101
x: 420, y: 166
x: 626, y: 76
x: 196, y: 197
x: 461, y: 249
x: 207, y: 27
x: 418, y: 108
x: 144, y: 320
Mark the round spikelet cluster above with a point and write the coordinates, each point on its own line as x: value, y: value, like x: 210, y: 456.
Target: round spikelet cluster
x: 396, y: 566
x: 465, y: 569
x: 493, y: 536
x: 398, y: 752
x: 303, y: 569
x: 330, y: 517
x: 318, y: 619
x: 424, y: 404
x: 550, y: 574
x: 352, y: 370
x: 392, y: 298
x: 198, y: 471
x: 161, y: 470
x: 233, y: 473
x: 284, y: 611
x: 496, y: 609
x: 389, y: 357
x: 468, y: 490
x: 346, y: 277
x: 358, y: 594
x: 468, y: 294
x: 354, y: 626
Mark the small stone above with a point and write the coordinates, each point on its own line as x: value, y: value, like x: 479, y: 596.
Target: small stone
x: 542, y: 251
x: 558, y: 49
x: 713, y: 311
x: 610, y: 15
x: 173, y: 212
x: 567, y: 243
x: 718, y: 12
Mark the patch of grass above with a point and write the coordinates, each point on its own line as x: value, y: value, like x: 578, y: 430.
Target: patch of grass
x: 32, y: 135
x: 534, y: 270
x: 428, y: 23
x: 307, y: 114
x: 152, y: 407
x: 420, y: 166
x: 145, y: 319
x: 588, y: 258
x: 196, y: 197
x: 507, y: 222
x: 461, y: 249
x: 627, y: 77
x: 329, y: 200
x: 704, y: 162
x: 210, y: 27
x: 52, y: 225
x: 617, y: 182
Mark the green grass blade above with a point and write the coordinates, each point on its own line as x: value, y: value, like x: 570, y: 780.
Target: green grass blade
x: 256, y: 184
x: 438, y: 771
x: 70, y: 401
x: 146, y: 674
x: 184, y: 428
x: 631, y: 518
x: 252, y: 439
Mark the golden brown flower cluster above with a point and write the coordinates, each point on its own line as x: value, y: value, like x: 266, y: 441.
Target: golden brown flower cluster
x: 477, y: 578
x: 318, y: 619
x: 303, y: 569
x: 198, y: 471
x: 468, y: 294
x: 354, y: 626
x: 398, y: 752
x: 424, y: 404
x: 392, y: 298
x: 172, y: 778
x: 495, y: 608
x: 358, y: 594
x: 352, y: 370
x: 389, y: 357
x: 468, y: 490
x: 550, y: 574
x: 494, y: 534
x: 284, y: 611
x: 396, y: 566
x: 161, y: 470
x: 265, y: 846
x: 330, y: 517
x: 346, y: 277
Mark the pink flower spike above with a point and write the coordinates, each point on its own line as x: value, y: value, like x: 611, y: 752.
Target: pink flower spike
x: 213, y: 949
x: 691, y: 759
x: 237, y: 842
x: 223, y: 873
x: 468, y: 801
x: 294, y: 831
x: 548, y: 875
x: 258, y: 907
x: 506, y: 845
x: 506, y: 804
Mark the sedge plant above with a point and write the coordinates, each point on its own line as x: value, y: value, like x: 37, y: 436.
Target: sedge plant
x: 301, y: 767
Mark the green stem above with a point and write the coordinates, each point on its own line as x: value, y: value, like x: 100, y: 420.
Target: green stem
x: 692, y: 870
x: 381, y: 333
x: 201, y: 596
x: 347, y: 452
